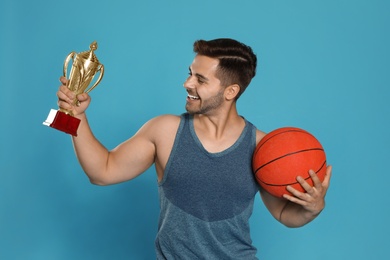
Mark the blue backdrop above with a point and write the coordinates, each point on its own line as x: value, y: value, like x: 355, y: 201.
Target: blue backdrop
x: 323, y: 66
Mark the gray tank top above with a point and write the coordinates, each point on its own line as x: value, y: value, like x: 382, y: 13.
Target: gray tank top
x: 206, y: 199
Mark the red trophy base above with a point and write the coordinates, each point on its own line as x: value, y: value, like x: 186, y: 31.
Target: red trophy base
x: 63, y: 122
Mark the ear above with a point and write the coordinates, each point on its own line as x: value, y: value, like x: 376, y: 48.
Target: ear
x: 232, y: 91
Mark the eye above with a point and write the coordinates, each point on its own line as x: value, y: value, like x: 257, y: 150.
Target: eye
x: 200, y: 81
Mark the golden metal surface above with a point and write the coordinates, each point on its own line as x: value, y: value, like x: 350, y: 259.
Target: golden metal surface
x: 84, y: 68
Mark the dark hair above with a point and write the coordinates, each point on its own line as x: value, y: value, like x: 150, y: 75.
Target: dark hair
x: 237, y: 62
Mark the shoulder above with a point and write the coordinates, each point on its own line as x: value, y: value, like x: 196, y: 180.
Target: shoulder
x: 259, y: 135
x: 161, y: 126
x: 164, y: 121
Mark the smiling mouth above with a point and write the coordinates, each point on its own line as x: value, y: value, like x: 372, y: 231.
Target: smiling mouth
x: 192, y: 97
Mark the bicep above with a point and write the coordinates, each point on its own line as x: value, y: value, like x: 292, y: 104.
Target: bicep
x: 132, y: 157
x: 137, y: 154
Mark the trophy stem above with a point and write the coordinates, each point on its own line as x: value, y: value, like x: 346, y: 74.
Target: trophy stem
x: 66, y: 111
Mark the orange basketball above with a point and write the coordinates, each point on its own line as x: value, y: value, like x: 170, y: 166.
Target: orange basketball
x: 284, y: 154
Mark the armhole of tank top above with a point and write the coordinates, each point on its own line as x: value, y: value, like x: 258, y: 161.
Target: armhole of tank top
x: 253, y: 144
x: 173, y: 151
x: 253, y: 139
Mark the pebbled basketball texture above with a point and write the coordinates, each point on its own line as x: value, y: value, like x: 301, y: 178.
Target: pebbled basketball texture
x: 283, y: 155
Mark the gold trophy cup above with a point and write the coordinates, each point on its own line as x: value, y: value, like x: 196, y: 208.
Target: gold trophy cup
x: 84, y: 68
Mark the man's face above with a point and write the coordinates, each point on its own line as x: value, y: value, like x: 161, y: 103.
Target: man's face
x: 205, y: 94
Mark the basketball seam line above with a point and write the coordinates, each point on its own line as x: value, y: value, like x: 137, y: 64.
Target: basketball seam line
x: 275, y: 185
x: 300, y: 151
x: 287, y: 131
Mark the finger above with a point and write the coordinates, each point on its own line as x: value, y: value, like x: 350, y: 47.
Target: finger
x: 65, y: 105
x: 296, y: 197
x: 296, y: 193
x: 316, y: 181
x: 305, y: 185
x: 67, y: 91
x: 62, y: 95
x: 328, y: 175
x: 64, y: 80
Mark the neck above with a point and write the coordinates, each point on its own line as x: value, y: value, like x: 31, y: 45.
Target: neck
x: 220, y: 122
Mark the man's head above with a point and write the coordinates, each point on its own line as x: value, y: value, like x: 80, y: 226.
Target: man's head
x: 237, y: 62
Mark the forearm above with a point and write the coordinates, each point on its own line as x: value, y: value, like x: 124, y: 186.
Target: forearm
x: 92, y: 155
x: 294, y: 215
x: 299, y: 208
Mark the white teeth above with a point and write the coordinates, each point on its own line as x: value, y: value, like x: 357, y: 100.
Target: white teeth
x: 193, y: 97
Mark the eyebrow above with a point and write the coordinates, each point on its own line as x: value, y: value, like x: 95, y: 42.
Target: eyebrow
x: 198, y: 75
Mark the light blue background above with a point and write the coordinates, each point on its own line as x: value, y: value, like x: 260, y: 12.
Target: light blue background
x: 323, y: 66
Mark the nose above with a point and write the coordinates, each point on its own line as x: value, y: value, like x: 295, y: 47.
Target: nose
x: 188, y: 83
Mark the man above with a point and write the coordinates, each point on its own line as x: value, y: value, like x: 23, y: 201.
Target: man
x: 202, y: 159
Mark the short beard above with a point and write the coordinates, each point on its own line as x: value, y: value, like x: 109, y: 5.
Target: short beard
x: 209, y: 104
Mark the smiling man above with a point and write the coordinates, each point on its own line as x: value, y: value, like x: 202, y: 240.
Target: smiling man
x: 203, y: 82
x: 202, y: 160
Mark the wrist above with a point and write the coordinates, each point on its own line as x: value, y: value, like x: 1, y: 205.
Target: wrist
x: 81, y: 116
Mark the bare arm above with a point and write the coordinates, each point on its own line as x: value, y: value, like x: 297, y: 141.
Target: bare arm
x: 104, y: 167
x: 301, y: 208
x: 125, y: 162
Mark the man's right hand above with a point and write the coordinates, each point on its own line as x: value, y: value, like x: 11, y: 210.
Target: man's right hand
x: 66, y: 99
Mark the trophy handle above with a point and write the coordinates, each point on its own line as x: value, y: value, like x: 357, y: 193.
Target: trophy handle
x: 66, y: 62
x: 101, y: 69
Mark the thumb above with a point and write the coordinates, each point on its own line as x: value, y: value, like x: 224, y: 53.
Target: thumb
x: 83, y: 97
x: 83, y: 101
